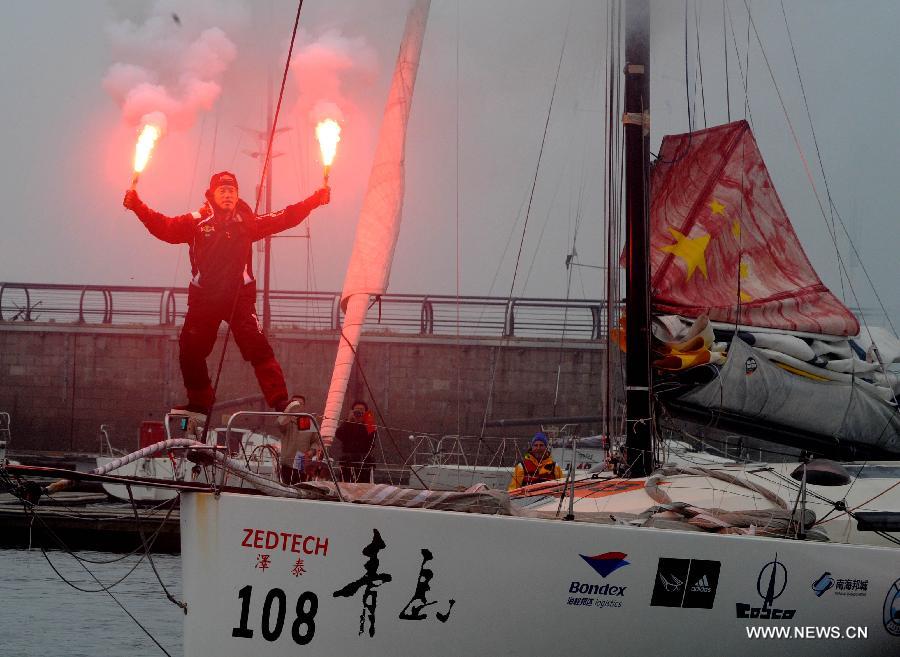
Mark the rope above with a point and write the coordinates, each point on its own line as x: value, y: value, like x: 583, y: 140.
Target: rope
x: 137, y: 520
x: 30, y: 509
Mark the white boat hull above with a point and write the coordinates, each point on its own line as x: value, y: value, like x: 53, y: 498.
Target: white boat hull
x: 449, y: 583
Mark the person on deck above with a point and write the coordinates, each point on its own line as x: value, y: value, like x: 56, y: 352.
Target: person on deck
x: 537, y: 465
x: 223, y: 288
x: 299, y: 451
x: 356, y: 436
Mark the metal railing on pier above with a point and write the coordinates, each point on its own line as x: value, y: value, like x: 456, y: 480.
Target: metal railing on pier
x: 410, y: 314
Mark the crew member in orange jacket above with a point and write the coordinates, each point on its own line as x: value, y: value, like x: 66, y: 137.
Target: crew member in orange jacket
x: 537, y: 465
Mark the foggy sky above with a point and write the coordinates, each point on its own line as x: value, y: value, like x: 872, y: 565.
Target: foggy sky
x: 481, y: 102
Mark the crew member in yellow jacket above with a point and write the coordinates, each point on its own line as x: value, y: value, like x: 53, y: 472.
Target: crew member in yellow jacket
x: 537, y: 465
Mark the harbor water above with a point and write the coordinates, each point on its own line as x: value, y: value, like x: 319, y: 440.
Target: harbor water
x: 43, y: 616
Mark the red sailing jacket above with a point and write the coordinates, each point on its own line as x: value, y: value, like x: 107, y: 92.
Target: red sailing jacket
x: 220, y: 244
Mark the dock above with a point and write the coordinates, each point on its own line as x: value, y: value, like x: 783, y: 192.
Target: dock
x: 87, y: 520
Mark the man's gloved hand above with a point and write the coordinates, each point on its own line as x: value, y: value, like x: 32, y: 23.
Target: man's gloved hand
x: 322, y: 196
x: 132, y: 200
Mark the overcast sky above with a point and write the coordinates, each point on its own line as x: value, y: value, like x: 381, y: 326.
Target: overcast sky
x: 483, y: 92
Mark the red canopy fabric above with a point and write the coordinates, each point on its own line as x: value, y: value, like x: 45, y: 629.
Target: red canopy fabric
x: 721, y: 243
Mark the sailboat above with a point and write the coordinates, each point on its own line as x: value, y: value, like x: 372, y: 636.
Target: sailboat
x: 357, y: 569
x: 406, y: 572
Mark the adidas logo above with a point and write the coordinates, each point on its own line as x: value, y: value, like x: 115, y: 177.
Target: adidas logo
x: 701, y: 586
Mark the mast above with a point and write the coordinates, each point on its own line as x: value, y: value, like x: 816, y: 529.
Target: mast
x: 637, y: 303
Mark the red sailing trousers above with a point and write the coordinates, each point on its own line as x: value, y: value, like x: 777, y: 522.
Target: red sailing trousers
x: 198, y: 336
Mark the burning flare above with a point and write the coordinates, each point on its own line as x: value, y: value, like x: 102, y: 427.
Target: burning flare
x: 328, y: 132
x: 144, y: 148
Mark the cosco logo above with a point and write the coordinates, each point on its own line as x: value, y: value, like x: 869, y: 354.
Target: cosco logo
x: 274, y: 610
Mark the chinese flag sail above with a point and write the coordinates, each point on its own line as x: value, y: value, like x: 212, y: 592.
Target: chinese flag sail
x: 722, y: 244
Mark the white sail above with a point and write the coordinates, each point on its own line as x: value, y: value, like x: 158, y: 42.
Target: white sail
x: 379, y: 221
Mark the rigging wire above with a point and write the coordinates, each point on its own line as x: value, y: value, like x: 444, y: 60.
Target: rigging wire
x: 699, y: 63
x: 259, y: 190
x: 615, y: 367
x: 832, y: 228
x: 808, y: 170
x: 748, y: 114
x: 687, y: 99
x: 190, y: 193
x: 362, y: 372
x: 495, y: 352
x: 725, y: 48
x: 458, y: 349
x: 747, y: 63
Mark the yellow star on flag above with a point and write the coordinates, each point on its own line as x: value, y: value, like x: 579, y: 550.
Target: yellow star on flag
x: 736, y: 229
x: 744, y: 272
x: 717, y: 207
x: 691, y: 250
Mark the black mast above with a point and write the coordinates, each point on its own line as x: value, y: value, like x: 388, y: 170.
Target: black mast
x: 637, y: 303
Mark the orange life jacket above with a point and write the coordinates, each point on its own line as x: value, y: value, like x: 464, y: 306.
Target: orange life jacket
x: 537, y: 472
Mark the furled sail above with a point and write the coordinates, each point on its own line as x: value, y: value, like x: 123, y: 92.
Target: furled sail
x: 379, y: 221
x: 722, y: 244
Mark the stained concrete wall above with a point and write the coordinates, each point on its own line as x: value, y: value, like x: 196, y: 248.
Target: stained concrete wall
x: 59, y: 383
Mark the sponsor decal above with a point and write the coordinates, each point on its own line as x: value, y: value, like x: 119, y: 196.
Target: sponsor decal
x: 855, y: 588
x: 266, y: 539
x: 822, y: 584
x: 770, y: 584
x: 599, y: 595
x: 606, y: 563
x: 750, y: 365
x: 891, y: 617
x: 686, y: 583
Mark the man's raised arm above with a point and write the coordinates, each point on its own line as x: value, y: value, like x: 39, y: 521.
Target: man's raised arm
x: 175, y: 230
x: 292, y: 215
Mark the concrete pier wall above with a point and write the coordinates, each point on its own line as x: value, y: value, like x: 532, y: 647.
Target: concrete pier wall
x: 59, y: 383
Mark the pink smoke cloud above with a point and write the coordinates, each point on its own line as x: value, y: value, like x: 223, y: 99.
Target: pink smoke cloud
x: 167, y: 66
x: 324, y: 68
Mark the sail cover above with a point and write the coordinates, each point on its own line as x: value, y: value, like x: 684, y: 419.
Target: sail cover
x: 379, y: 220
x: 752, y: 387
x: 722, y: 244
